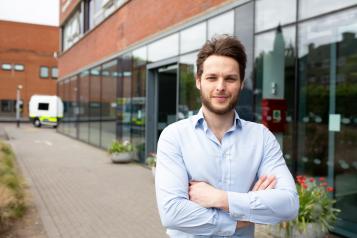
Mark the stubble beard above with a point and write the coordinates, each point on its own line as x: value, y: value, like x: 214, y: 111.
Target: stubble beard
x: 219, y: 111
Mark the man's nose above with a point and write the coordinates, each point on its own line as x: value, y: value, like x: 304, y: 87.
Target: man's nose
x: 221, y: 85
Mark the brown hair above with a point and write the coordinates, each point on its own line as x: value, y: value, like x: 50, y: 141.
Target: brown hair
x: 223, y: 45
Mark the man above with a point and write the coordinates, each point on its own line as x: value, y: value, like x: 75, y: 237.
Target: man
x: 208, y: 165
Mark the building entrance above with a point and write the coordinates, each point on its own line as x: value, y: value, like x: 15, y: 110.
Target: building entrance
x: 162, y: 101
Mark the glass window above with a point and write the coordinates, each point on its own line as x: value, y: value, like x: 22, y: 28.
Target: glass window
x: 222, y: 24
x: 310, y: 8
x: 244, y: 29
x: 66, y: 116
x: 83, y: 111
x: 108, y: 107
x: 192, y: 38
x: 19, y: 67
x: 94, y: 106
x: 274, y: 82
x: 54, y: 72
x: 72, y: 109
x: 43, y: 106
x: 44, y: 72
x: 189, y: 95
x: 163, y: 48
x: 61, y: 95
x: 140, y: 56
x: 7, y: 107
x: 6, y: 66
x: 124, y: 101
x: 73, y: 29
x: 139, y: 108
x: 328, y: 110
x: 271, y: 13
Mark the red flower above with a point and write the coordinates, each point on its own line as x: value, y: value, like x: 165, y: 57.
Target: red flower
x: 324, y: 184
x: 304, y: 185
x: 301, y: 179
x: 321, y: 179
x: 329, y: 189
x: 312, y: 180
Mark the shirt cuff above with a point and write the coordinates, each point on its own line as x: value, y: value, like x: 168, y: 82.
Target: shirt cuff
x: 239, y: 206
x: 225, y: 225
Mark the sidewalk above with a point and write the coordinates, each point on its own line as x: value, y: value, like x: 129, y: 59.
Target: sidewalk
x: 79, y: 192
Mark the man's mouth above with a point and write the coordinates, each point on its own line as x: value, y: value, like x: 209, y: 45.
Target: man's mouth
x: 220, y: 98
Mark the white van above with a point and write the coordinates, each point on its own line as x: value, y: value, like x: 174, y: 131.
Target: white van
x: 45, y: 110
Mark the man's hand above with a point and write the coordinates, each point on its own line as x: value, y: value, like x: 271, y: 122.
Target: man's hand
x: 265, y: 182
x: 206, y: 195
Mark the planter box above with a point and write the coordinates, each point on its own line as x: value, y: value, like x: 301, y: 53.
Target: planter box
x: 312, y: 231
x: 122, y: 157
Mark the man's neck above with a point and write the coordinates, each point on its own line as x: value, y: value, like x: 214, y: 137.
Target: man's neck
x: 218, y: 124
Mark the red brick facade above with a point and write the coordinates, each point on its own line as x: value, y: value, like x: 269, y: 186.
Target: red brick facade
x: 135, y: 21
x: 32, y: 46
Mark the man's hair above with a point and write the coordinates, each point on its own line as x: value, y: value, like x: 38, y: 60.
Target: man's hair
x: 223, y: 45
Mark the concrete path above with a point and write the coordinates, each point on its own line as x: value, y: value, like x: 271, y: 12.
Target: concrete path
x: 79, y: 192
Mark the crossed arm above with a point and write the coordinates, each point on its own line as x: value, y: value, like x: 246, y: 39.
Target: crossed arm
x: 208, y: 196
x: 200, y: 209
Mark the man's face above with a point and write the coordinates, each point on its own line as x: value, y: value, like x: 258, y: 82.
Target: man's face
x: 219, y: 84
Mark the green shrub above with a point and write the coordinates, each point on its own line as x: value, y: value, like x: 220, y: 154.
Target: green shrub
x: 119, y: 147
x: 12, y: 195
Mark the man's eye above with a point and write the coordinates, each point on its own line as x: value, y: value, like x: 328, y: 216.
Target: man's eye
x: 231, y: 79
x: 211, y: 78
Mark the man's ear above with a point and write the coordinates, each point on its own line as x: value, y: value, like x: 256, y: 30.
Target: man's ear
x: 242, y: 85
x: 198, y: 82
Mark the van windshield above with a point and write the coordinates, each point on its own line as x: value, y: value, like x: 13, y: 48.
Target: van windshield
x: 43, y: 106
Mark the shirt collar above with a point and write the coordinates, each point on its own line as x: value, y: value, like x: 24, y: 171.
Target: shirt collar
x: 199, y: 120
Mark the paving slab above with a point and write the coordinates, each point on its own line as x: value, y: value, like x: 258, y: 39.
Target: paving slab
x: 79, y: 192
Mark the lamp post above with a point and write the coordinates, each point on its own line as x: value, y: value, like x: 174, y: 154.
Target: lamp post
x: 18, y: 104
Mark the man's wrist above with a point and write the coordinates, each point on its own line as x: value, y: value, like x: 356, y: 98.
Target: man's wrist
x: 222, y: 200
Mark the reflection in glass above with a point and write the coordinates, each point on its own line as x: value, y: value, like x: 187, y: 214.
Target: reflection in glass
x: 328, y: 94
x: 222, y: 24
x: 310, y: 8
x: 140, y: 56
x: 72, y: 107
x: 163, y: 48
x: 108, y: 105
x: 189, y: 96
x: 138, y: 108
x: 271, y: 13
x: 65, y: 106
x: 274, y: 73
x: 83, y: 111
x: 192, y: 38
x: 124, y: 98
x: 60, y: 92
x: 94, y: 106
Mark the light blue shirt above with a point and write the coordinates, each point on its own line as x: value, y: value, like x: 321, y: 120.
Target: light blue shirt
x: 188, y: 150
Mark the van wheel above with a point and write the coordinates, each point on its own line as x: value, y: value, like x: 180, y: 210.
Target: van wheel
x: 37, y: 123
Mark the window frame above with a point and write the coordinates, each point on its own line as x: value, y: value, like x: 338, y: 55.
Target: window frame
x: 48, y: 72
x: 2, y: 67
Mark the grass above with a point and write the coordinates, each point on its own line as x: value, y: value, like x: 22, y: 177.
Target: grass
x: 12, y: 193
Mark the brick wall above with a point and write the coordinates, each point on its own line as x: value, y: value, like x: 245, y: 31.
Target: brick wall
x: 33, y: 46
x: 135, y: 21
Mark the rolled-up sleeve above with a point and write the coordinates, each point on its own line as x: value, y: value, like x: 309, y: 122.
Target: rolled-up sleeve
x: 273, y: 205
x: 177, y: 212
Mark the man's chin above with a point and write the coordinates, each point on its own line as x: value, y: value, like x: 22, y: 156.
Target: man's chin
x: 219, y: 110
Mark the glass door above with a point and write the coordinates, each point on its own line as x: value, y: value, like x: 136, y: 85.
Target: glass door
x: 328, y: 109
x: 161, y: 100
x: 166, y: 97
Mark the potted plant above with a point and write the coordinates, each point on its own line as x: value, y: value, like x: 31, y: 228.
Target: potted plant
x: 316, y: 213
x: 151, y: 162
x: 121, y: 152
